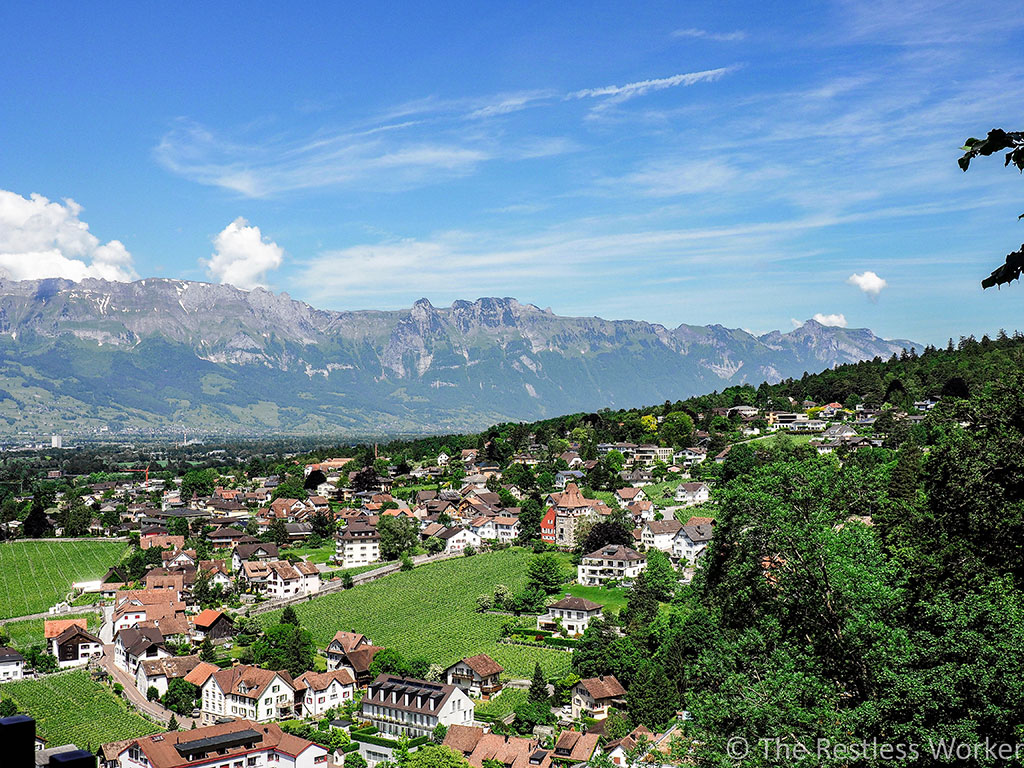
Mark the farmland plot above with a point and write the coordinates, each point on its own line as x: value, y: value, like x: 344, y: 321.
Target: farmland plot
x: 431, y: 612
x: 35, y: 575
x: 70, y: 708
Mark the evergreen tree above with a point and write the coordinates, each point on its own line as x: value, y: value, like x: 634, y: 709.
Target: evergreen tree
x: 538, y: 685
x: 36, y: 525
x: 288, y: 616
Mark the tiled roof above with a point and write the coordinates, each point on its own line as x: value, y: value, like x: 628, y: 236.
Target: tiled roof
x: 569, y: 603
x: 53, y: 628
x: 603, y: 687
x: 483, y: 665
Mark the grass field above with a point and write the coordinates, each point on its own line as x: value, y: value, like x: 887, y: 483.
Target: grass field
x: 431, y: 612
x: 614, y: 598
x: 25, y: 634
x: 71, y: 708
x: 36, y: 575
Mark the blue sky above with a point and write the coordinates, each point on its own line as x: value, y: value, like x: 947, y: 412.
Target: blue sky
x: 749, y: 164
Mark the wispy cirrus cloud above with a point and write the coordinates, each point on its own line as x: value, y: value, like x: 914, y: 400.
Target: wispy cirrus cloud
x: 703, y: 34
x: 426, y: 141
x: 611, y: 95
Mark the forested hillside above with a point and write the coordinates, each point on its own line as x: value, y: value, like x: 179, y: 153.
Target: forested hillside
x: 880, y: 597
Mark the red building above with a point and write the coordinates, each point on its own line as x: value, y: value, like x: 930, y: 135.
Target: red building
x: 547, y: 526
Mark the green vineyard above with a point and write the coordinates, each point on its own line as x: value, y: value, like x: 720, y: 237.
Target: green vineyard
x: 35, y: 575
x: 71, y: 708
x: 431, y: 612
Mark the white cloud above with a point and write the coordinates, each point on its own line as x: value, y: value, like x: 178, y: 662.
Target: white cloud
x: 837, y: 320
x: 673, y: 177
x: 40, y: 238
x: 620, y: 93
x: 868, y: 282
x: 265, y: 169
x: 243, y: 256
x: 703, y: 34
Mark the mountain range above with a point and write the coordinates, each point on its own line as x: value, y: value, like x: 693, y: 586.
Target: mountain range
x: 159, y: 355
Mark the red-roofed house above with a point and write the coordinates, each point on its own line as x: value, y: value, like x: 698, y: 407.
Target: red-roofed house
x: 594, y: 696
x: 477, y: 675
x: 212, y: 624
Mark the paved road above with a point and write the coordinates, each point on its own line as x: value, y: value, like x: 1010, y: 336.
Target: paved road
x: 135, y: 696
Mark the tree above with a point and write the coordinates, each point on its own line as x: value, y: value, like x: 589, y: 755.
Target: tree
x: 206, y: 651
x: 76, y: 517
x: 433, y: 545
x: 177, y: 526
x: 290, y: 488
x: 398, y: 535
x: 198, y: 482
x: 641, y: 606
x: 677, y: 429
x: 181, y: 696
x: 604, y: 533
x: 354, y: 760
x: 366, y: 479
x: 323, y: 524
x: 436, y: 756
x: 538, y: 685
x: 172, y: 724
x: 288, y: 616
x: 277, y: 533
x: 997, y: 141
x: 660, y: 576
x: 439, y: 732
x: 407, y: 564
x: 391, y: 662
x: 651, y: 698
x: 152, y: 693
x: 285, y: 646
x: 531, y: 512
x: 36, y: 525
x: 545, y: 573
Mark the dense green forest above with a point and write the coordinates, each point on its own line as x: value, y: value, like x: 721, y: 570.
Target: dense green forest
x: 874, y: 599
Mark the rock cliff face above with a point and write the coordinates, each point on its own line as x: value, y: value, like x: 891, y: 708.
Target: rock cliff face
x: 165, y: 354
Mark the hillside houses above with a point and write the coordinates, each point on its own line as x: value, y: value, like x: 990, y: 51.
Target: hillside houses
x: 354, y: 652
x: 318, y: 692
x: 479, y: 676
x: 691, y: 494
x: 613, y: 563
x: 287, y: 580
x: 569, y: 616
x: 70, y: 642
x: 214, y: 746
x: 260, y: 695
x: 401, y: 706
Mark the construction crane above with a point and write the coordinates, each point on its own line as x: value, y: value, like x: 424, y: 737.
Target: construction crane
x: 146, y: 470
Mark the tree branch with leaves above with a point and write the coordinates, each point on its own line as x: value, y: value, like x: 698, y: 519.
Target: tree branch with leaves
x: 999, y: 140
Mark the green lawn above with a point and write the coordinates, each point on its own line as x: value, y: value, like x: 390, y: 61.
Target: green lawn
x: 312, y: 554
x: 36, y: 575
x: 87, y: 598
x: 614, y: 598
x: 71, y: 708
x: 431, y: 612
x: 29, y: 632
